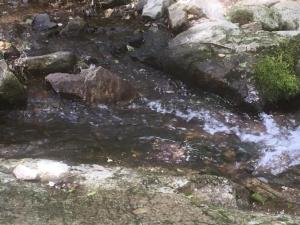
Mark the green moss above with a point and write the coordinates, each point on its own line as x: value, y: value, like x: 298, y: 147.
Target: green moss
x: 11, y: 90
x: 241, y: 16
x: 274, y: 72
x: 258, y: 198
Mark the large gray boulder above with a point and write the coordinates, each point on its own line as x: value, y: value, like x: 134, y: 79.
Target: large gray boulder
x: 12, y: 92
x: 51, y: 63
x: 180, y: 12
x: 228, y: 35
x: 216, y: 69
x: 154, y: 41
x: 95, y: 86
x: 218, y: 56
x: 272, y: 14
x: 244, y: 14
x: 289, y: 12
x: 215, y: 32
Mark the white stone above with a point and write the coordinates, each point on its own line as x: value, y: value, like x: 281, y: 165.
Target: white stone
x: 22, y: 172
x: 51, y: 170
x: 207, y: 32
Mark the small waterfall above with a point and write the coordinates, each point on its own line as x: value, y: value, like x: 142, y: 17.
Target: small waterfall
x: 278, y: 146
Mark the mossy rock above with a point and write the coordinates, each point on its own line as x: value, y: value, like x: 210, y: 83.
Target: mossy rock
x: 258, y: 13
x: 12, y: 92
x: 241, y: 16
x: 275, y: 73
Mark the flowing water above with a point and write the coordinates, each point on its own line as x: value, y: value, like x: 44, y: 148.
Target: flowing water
x: 169, y: 124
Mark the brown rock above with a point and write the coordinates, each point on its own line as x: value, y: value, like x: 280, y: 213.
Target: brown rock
x: 94, y: 86
x: 103, y: 86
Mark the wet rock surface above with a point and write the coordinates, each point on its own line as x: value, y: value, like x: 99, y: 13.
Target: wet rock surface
x: 51, y: 63
x: 12, y: 92
x: 95, y: 85
x: 75, y: 27
x: 225, y: 73
x: 117, y: 195
x: 42, y: 22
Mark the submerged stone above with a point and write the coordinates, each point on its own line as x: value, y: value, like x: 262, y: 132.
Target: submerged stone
x: 42, y: 22
x: 74, y: 28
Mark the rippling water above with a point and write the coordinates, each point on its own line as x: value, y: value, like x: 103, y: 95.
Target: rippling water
x: 278, y: 145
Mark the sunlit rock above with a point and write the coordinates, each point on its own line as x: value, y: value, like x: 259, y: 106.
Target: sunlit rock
x: 242, y: 14
x: 180, y: 12
x: 289, y: 13
x: 22, y: 172
x: 155, y: 8
x: 152, y: 191
x: 43, y: 170
x: 49, y: 170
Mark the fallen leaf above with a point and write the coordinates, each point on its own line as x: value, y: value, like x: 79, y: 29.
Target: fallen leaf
x: 139, y: 211
x: 90, y: 194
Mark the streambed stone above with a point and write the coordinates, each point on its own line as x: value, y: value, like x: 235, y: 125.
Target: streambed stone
x: 50, y: 63
x: 42, y: 22
x: 74, y: 28
x: 95, y: 85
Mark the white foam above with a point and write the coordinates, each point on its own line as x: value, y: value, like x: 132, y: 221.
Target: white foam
x: 279, y: 146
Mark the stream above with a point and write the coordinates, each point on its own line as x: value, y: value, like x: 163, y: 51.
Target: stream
x: 169, y: 125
